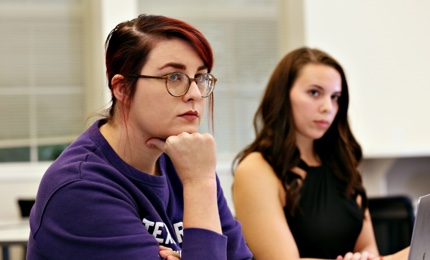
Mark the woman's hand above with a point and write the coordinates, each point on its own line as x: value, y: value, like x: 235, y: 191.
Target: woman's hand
x: 357, y: 256
x: 400, y: 255
x: 194, y: 155
x: 168, y: 254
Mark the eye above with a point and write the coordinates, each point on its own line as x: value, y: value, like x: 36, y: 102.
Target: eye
x: 203, y: 78
x: 176, y: 76
x: 335, y: 97
x: 314, y: 93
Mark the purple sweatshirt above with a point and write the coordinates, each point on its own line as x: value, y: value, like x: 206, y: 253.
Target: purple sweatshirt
x: 93, y: 205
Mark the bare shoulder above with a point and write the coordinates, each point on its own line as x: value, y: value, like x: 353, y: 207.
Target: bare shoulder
x: 254, y: 165
x: 255, y: 173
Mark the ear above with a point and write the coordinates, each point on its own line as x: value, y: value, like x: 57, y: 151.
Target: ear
x: 119, y: 88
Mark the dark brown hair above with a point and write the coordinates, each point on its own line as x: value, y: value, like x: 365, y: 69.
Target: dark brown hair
x: 275, y: 130
x: 129, y: 44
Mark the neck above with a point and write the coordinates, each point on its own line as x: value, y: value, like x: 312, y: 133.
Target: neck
x: 131, y: 148
x: 307, y: 152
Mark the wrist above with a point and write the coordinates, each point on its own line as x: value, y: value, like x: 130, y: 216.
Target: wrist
x: 199, y: 181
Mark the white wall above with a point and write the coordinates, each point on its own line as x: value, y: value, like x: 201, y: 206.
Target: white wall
x: 384, y: 48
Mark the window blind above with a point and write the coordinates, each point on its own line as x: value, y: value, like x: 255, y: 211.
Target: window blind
x: 41, y: 76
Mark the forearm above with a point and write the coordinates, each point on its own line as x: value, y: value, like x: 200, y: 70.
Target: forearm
x: 200, y: 205
x: 400, y: 255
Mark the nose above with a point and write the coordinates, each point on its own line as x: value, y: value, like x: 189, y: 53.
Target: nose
x: 193, y: 92
x: 327, y: 105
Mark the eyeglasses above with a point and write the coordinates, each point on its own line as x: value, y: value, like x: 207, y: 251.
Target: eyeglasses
x: 178, y: 83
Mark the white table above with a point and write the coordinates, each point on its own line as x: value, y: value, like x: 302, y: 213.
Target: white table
x: 13, y: 232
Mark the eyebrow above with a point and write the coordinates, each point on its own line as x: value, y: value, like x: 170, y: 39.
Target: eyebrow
x: 180, y: 66
x: 321, y: 88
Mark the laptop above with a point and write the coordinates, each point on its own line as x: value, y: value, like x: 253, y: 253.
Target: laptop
x: 420, y: 242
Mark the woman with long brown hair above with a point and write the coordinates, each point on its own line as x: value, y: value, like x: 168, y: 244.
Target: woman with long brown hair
x: 297, y: 190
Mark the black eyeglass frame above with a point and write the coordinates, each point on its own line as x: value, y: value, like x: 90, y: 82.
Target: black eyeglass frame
x: 190, y: 80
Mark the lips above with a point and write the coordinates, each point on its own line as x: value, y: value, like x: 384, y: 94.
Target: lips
x: 190, y: 113
x: 322, y: 123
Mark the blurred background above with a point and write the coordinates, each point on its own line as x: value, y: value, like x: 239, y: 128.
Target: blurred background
x: 52, y: 83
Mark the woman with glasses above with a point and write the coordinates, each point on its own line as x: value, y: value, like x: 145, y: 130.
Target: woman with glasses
x: 297, y: 190
x: 141, y: 183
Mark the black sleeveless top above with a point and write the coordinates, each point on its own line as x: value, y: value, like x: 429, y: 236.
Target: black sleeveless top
x: 325, y: 224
